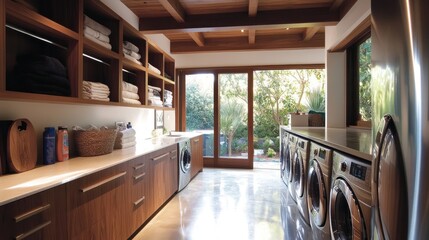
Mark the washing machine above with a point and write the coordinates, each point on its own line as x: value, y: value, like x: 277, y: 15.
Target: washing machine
x: 318, y: 189
x: 184, y: 156
x: 350, y: 200
x: 289, y: 165
x: 284, y: 151
x: 300, y: 174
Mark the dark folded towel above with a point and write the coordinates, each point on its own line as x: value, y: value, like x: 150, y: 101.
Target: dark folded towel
x: 40, y: 64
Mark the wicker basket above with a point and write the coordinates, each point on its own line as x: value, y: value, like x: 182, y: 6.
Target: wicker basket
x: 94, y: 142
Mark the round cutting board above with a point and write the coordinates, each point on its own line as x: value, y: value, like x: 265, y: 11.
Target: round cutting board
x: 21, y: 146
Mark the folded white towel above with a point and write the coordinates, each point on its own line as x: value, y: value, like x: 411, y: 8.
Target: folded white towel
x: 96, y: 26
x: 154, y: 69
x: 132, y: 59
x: 130, y: 46
x: 131, y: 95
x: 129, y: 87
x: 154, y: 88
x: 132, y: 53
x: 96, y: 85
x: 121, y: 140
x: 131, y: 101
x: 104, y: 44
x: 155, y: 102
x: 96, y: 98
x: 126, y: 133
x: 98, y: 35
x: 125, y: 145
x: 90, y: 90
x: 168, y: 92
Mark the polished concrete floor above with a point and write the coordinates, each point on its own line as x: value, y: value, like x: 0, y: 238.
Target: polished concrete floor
x: 229, y: 204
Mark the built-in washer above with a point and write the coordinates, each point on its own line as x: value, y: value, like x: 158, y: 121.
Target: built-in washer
x: 350, y: 199
x: 284, y: 151
x: 300, y: 174
x: 318, y: 189
x: 289, y: 165
x: 184, y: 155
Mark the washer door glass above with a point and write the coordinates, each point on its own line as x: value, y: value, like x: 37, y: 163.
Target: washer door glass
x: 299, y: 175
x: 289, y: 170
x: 316, y: 194
x: 346, y: 218
x: 185, y: 160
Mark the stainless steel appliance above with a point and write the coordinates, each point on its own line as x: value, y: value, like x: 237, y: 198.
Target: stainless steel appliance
x: 301, y: 162
x: 400, y: 89
x: 289, y: 165
x: 284, y: 151
x: 184, y: 155
x: 318, y: 188
x: 350, y: 198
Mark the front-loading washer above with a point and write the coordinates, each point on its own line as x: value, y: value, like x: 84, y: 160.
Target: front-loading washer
x: 289, y: 165
x: 318, y: 189
x: 300, y: 173
x: 350, y: 200
x: 184, y: 155
x: 284, y: 151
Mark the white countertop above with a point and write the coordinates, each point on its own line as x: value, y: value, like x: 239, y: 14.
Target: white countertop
x: 20, y: 185
x: 356, y: 142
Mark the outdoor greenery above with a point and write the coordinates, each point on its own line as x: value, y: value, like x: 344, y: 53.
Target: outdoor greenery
x: 365, y: 108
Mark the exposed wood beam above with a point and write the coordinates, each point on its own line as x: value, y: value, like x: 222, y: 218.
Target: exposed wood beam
x: 232, y: 21
x: 309, y: 33
x: 237, y: 44
x: 253, y: 7
x: 336, y: 4
x: 252, y: 36
x: 198, y: 38
x: 174, y: 8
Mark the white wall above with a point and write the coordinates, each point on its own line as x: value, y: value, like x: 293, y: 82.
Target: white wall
x: 123, y: 11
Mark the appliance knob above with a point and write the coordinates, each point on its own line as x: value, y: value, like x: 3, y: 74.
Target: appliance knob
x: 343, y: 166
x: 315, y: 152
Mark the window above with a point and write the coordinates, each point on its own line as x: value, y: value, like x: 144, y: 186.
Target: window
x: 359, y: 109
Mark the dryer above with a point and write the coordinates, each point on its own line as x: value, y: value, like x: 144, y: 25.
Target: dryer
x: 284, y: 151
x: 184, y: 155
x: 300, y: 174
x: 318, y: 189
x: 289, y: 165
x: 350, y: 200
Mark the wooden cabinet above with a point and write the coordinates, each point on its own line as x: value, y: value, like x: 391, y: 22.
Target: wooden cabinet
x: 55, y: 28
x: 40, y: 216
x: 96, y: 205
x: 164, y: 176
x: 197, y: 155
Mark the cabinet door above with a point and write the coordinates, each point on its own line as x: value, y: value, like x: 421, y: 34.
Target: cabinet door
x: 97, y: 205
x: 140, y: 200
x: 197, y: 155
x: 40, y: 216
x: 164, y: 175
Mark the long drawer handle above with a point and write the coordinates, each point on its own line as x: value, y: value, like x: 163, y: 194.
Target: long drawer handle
x: 38, y: 228
x: 174, y: 152
x: 31, y: 213
x: 196, y: 140
x: 139, y: 201
x: 173, y: 158
x: 103, y: 182
x: 138, y: 166
x: 139, y: 176
x: 160, y: 157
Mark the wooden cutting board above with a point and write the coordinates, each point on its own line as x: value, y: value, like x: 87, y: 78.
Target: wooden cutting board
x: 21, y: 146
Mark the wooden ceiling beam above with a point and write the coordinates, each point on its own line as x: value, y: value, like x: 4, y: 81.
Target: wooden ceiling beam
x: 198, y: 38
x: 175, y: 9
x: 241, y: 44
x: 336, y: 4
x: 252, y: 36
x: 253, y: 7
x: 236, y: 21
x: 309, y: 33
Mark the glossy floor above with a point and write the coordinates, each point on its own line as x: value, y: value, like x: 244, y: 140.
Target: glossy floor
x: 229, y: 204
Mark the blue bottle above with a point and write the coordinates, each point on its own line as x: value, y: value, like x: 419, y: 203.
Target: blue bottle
x: 49, y: 154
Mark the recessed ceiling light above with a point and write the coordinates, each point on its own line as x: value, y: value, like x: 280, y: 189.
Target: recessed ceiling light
x: 287, y: 28
x: 242, y: 30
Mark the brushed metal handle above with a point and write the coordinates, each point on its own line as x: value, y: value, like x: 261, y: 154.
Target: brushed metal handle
x: 196, y: 140
x: 31, y: 213
x: 87, y: 189
x: 139, y: 166
x: 38, y: 228
x: 139, y: 201
x: 160, y: 157
x: 139, y: 176
x: 173, y: 158
x: 174, y: 152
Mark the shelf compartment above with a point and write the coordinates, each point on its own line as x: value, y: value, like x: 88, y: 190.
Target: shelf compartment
x: 133, y: 36
x: 156, y: 82
x: 169, y: 87
x: 156, y: 59
x: 137, y: 78
x: 169, y: 68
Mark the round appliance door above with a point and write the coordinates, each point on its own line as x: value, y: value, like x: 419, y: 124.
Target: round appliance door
x: 346, y: 218
x: 389, y: 189
x: 185, y: 160
x: 289, y: 165
x: 316, y: 192
x: 298, y: 174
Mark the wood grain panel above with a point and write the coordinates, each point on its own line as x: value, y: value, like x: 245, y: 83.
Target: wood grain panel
x: 2, y: 46
x: 197, y: 155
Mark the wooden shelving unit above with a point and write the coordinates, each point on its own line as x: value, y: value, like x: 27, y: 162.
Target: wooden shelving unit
x: 55, y: 28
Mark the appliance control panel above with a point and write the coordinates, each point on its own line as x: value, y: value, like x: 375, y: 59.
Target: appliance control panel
x: 358, y: 171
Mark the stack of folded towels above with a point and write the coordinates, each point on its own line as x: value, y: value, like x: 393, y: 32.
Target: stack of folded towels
x: 168, y: 98
x: 125, y: 138
x: 154, y: 69
x: 97, y: 32
x: 39, y: 74
x: 154, y: 96
x: 131, y: 52
x: 96, y: 91
x: 130, y: 93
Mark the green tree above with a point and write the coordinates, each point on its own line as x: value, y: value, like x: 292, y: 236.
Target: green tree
x: 199, y: 109
x: 365, y: 108
x: 231, y: 117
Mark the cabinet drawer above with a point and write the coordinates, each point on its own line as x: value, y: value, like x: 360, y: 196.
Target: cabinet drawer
x: 40, y: 216
x: 139, y: 179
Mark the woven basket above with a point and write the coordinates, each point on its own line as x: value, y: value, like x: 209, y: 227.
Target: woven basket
x: 94, y: 142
